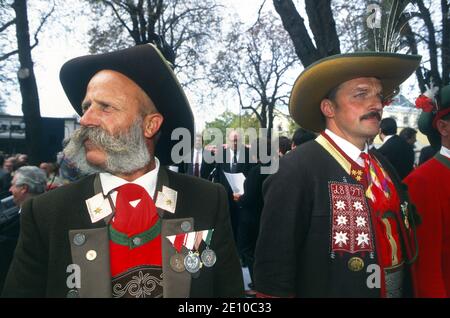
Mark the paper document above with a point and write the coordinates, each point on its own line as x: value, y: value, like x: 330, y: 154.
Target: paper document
x: 174, y: 168
x: 236, y: 182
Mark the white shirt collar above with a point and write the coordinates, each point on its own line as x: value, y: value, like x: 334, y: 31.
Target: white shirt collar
x: 232, y: 151
x: 348, y: 148
x: 387, y: 138
x: 147, y: 181
x: 200, y: 155
x: 445, y: 151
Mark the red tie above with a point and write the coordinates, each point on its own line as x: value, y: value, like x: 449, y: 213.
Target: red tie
x: 129, y: 221
x: 133, y: 220
x: 377, y: 182
x: 366, y: 159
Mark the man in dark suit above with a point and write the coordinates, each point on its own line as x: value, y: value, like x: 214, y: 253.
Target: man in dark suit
x: 336, y: 221
x: 132, y: 228
x: 235, y: 159
x: 396, y: 149
x: 28, y: 181
x: 197, y: 166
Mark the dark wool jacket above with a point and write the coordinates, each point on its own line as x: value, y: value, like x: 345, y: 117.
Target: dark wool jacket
x: 293, y: 253
x: 49, y: 223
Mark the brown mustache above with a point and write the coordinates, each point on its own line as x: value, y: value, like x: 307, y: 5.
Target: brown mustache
x: 370, y: 115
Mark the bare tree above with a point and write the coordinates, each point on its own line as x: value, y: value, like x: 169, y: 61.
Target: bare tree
x: 25, y: 74
x: 255, y: 65
x: 7, y: 52
x: 434, y: 35
x: 182, y: 28
x: 351, y: 24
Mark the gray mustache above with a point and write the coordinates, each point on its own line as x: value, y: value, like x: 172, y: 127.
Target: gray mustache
x: 125, y: 151
x: 101, y: 138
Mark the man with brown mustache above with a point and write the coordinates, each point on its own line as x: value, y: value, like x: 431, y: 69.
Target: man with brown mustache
x: 336, y: 221
x: 131, y: 228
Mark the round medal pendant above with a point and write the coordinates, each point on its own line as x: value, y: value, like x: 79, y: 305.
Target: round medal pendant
x: 177, y: 262
x: 355, y: 264
x: 192, y: 262
x: 209, y: 257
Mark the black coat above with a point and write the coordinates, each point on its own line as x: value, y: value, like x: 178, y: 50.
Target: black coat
x: 9, y: 234
x: 400, y: 154
x: 426, y: 153
x: 205, y: 168
x: 252, y: 203
x: 252, y: 199
x: 5, y: 183
x: 49, y: 222
x: 293, y: 253
x: 243, y: 166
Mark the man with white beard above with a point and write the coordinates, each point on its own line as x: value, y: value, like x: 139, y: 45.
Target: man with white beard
x: 131, y: 228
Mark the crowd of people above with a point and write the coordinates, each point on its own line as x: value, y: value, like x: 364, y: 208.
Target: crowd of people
x: 20, y: 181
x: 122, y: 219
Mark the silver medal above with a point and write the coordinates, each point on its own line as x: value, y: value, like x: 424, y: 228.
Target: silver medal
x: 192, y: 262
x: 208, y: 257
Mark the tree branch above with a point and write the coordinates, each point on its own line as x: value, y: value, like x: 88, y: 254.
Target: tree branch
x: 44, y: 19
x: 432, y: 46
x: 7, y: 55
x: 142, y: 28
x: 7, y: 24
x: 109, y: 3
x: 294, y: 24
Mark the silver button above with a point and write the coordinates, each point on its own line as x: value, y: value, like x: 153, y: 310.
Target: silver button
x: 79, y: 239
x: 73, y: 293
x: 91, y: 255
x: 137, y: 241
x: 186, y: 226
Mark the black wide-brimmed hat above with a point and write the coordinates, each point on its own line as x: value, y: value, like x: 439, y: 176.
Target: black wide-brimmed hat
x: 147, y: 67
x: 316, y: 81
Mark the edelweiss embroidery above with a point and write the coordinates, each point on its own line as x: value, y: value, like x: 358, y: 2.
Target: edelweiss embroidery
x: 351, y: 230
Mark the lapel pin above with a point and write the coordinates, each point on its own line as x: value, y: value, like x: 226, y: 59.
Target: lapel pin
x: 98, y: 207
x: 91, y: 255
x: 167, y: 199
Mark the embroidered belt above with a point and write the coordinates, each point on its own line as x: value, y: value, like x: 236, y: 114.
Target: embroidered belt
x: 135, y: 240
